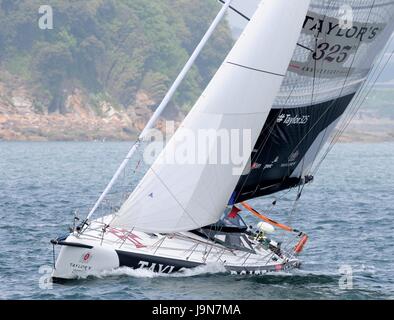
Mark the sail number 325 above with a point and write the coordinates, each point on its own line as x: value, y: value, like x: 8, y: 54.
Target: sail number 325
x: 331, y: 53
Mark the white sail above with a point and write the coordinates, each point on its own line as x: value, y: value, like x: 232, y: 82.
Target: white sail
x: 240, y: 14
x: 178, y: 197
x: 244, y: 8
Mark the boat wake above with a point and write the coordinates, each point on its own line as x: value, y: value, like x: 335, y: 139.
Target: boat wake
x: 298, y: 276
x: 146, y: 273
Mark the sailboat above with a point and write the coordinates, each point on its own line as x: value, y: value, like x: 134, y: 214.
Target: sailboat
x: 295, y: 71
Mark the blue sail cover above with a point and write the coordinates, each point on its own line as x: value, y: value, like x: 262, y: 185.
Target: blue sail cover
x: 337, y: 49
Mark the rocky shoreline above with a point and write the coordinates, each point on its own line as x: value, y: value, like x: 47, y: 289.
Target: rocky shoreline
x: 122, y: 126
x: 81, y: 121
x: 20, y: 119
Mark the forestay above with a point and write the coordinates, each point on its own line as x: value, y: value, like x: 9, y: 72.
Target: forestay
x: 178, y: 197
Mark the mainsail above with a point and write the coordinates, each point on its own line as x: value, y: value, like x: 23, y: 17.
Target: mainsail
x: 180, y: 197
x: 339, y: 43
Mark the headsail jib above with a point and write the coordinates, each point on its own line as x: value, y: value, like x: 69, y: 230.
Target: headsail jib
x: 178, y: 197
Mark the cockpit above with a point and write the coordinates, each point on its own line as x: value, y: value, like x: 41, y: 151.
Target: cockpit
x: 229, y: 231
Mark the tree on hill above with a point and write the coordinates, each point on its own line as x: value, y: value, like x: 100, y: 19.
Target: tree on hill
x: 110, y: 48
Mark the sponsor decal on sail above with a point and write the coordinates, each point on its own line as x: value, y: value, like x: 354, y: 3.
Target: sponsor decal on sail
x: 256, y: 166
x: 332, y: 29
x: 289, y: 120
x: 336, y: 43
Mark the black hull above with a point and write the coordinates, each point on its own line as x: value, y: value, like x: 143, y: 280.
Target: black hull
x: 166, y: 265
x: 153, y: 263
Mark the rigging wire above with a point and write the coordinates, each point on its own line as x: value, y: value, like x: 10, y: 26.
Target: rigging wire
x: 359, y: 100
x: 356, y: 105
x: 300, y: 187
x: 344, y: 83
x: 330, y: 6
x: 329, y: 109
x: 340, y: 132
x: 271, y: 126
x: 342, y: 88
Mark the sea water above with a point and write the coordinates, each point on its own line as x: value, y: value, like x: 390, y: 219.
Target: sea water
x: 347, y: 213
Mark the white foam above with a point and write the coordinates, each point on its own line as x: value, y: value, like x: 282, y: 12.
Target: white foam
x: 212, y: 268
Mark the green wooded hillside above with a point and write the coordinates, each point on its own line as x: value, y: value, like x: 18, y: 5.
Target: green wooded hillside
x: 111, y: 49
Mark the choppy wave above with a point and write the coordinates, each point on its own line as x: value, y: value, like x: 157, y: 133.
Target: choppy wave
x: 347, y: 215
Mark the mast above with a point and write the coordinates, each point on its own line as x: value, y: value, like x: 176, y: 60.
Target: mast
x: 151, y: 123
